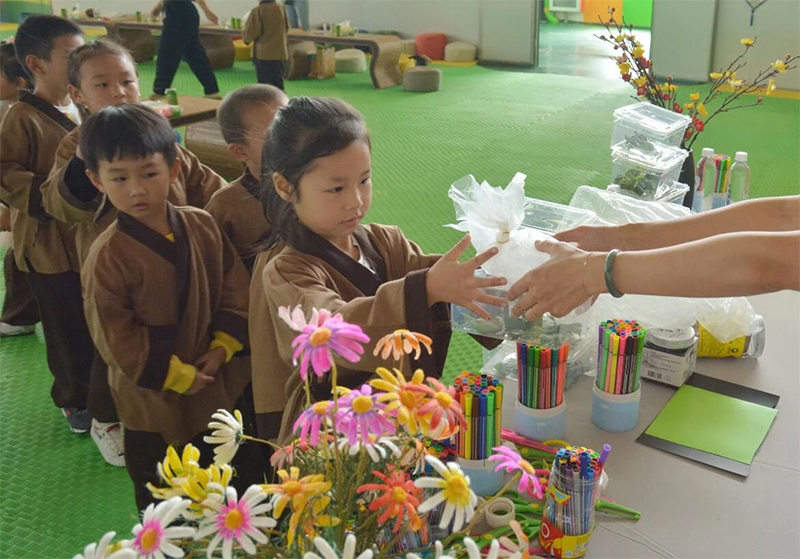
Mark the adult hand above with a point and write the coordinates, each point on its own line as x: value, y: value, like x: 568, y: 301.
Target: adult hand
x: 157, y: 10
x: 451, y: 281
x: 558, y: 285
x: 210, y: 362
x: 591, y: 237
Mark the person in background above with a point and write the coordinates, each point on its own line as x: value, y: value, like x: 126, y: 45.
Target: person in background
x: 297, y: 12
x: 267, y: 26
x: 20, y: 313
x: 180, y: 38
x: 749, y: 248
x: 45, y: 247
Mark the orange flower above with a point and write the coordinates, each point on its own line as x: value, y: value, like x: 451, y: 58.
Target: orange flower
x: 441, y: 415
x: 399, y: 497
x: 297, y: 491
x: 402, y: 341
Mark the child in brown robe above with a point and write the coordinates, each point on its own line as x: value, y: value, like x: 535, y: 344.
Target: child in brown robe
x: 317, y: 189
x: 44, y: 247
x: 103, y: 74
x: 165, y: 298
x: 244, y: 117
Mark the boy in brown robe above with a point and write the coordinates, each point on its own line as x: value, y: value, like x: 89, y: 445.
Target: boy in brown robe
x: 165, y: 298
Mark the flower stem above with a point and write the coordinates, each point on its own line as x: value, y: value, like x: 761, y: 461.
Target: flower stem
x: 262, y: 441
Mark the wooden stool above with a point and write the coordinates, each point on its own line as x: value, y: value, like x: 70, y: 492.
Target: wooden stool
x: 219, y: 49
x: 139, y: 42
x: 205, y: 140
x: 298, y: 66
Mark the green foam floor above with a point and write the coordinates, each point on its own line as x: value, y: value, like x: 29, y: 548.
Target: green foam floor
x: 57, y: 494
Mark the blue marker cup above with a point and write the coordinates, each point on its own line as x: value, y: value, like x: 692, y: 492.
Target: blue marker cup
x: 615, y: 412
x: 540, y: 424
x: 484, y: 481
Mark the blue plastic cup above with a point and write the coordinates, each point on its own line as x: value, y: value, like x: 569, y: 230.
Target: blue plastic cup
x: 615, y: 412
x: 484, y: 481
x: 540, y: 424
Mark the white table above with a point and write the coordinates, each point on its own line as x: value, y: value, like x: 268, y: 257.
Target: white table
x: 692, y: 510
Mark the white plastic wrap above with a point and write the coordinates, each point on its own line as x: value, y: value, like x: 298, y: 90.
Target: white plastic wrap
x: 493, y: 217
x: 616, y: 209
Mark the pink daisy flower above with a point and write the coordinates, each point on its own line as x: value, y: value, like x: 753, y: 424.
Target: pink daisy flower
x: 360, y: 413
x: 510, y: 461
x: 231, y: 519
x: 321, y: 337
x: 312, y: 420
x: 154, y: 535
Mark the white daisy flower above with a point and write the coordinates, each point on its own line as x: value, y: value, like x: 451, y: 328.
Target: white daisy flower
x: 227, y: 434
x: 154, y: 533
x: 456, y: 493
x: 104, y: 550
x: 377, y: 448
x: 474, y: 552
x: 328, y: 553
x: 230, y: 518
x: 439, y: 553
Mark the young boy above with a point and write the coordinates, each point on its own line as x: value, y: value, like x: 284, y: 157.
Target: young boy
x: 19, y: 307
x: 165, y: 298
x: 267, y: 26
x: 237, y: 208
x: 43, y: 247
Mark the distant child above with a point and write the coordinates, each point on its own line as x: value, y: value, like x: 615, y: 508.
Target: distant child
x: 244, y: 117
x: 317, y: 190
x: 44, y: 247
x: 19, y: 307
x: 103, y: 74
x: 267, y: 26
x: 165, y: 297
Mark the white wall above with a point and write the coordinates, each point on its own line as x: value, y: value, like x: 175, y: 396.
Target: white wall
x: 776, y: 25
x: 459, y: 19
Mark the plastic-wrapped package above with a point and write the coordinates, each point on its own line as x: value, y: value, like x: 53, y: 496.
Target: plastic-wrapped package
x: 494, y: 217
x: 616, y: 209
x: 665, y: 192
x: 728, y: 318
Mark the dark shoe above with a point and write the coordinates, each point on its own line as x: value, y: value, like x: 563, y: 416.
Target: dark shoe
x: 80, y: 420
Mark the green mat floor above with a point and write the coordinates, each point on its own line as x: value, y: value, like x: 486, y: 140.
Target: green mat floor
x: 57, y: 494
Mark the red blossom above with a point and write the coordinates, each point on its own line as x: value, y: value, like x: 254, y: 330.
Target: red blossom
x: 760, y: 100
x: 698, y: 125
x: 676, y: 107
x: 688, y: 133
x: 665, y: 96
x: 626, y: 77
x: 641, y: 91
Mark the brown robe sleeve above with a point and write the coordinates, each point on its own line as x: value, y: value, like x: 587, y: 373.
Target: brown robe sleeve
x: 19, y: 186
x: 252, y: 28
x: 200, y: 181
x: 231, y: 317
x: 141, y: 352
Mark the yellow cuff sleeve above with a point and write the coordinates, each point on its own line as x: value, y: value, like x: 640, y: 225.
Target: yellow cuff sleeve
x: 180, y: 375
x: 230, y: 344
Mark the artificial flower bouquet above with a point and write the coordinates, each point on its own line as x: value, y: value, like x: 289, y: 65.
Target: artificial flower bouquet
x: 361, y: 480
x: 727, y: 88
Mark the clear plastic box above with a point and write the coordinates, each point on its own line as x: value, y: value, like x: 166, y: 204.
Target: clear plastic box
x: 553, y: 218
x: 643, y: 122
x: 643, y: 176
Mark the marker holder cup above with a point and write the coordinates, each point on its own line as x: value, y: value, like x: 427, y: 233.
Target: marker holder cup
x: 540, y: 424
x: 484, y: 481
x: 615, y: 412
x: 568, y: 517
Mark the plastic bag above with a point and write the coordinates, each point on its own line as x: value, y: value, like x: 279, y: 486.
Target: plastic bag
x: 665, y: 192
x: 616, y: 209
x: 493, y: 217
x: 728, y: 318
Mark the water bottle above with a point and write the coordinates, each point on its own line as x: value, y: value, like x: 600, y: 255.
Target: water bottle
x: 704, y: 180
x: 740, y: 178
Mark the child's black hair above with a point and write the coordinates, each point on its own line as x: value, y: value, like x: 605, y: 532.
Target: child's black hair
x: 126, y: 131
x: 304, y: 130
x: 91, y: 50
x: 36, y: 35
x: 231, y: 114
x: 10, y: 66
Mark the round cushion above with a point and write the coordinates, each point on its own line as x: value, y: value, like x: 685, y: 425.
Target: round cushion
x: 243, y: 52
x: 431, y: 45
x: 421, y: 79
x: 409, y: 47
x: 350, y: 61
x: 459, y: 52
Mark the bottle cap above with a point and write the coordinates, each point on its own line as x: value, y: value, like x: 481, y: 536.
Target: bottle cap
x: 741, y: 156
x: 708, y: 152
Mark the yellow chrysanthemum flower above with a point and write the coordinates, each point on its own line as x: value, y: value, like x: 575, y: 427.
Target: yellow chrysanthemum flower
x: 695, y: 97
x: 701, y: 110
x: 715, y: 76
x: 748, y: 42
x: 637, y: 52
x: 403, y: 402
x: 297, y: 491
x: 640, y: 81
x: 688, y: 106
x: 670, y: 87
x: 624, y: 68
x: 735, y: 83
x: 779, y: 65
x: 619, y: 38
x: 771, y: 86
x: 205, y: 481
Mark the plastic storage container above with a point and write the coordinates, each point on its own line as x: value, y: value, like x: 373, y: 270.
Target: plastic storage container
x: 643, y: 121
x: 569, y: 517
x: 484, y: 481
x: 540, y: 424
x: 669, y: 355
x: 615, y: 412
x: 642, y: 176
x: 553, y: 218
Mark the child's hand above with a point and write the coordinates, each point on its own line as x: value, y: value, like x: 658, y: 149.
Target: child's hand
x: 201, y: 380
x: 210, y: 362
x: 451, y: 281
